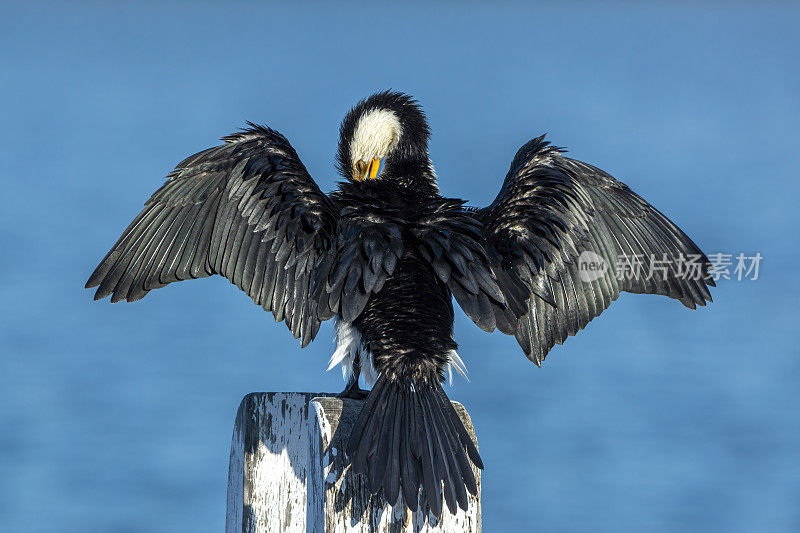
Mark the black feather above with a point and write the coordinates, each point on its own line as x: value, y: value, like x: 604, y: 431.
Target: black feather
x: 549, y: 211
x: 202, y: 221
x: 408, y: 436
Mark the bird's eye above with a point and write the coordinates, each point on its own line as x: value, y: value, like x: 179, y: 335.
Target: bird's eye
x: 361, y: 166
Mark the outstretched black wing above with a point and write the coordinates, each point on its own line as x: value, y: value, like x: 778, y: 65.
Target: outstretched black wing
x: 247, y: 210
x: 551, y: 211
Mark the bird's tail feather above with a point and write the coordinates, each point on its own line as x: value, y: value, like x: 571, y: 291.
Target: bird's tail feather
x: 408, y: 436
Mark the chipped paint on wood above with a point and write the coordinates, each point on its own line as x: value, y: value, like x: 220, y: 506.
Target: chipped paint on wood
x: 288, y: 473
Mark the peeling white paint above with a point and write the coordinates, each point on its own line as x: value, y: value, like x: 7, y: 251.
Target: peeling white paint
x: 296, y: 478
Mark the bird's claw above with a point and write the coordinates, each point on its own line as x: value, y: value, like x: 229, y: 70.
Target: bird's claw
x: 354, y: 392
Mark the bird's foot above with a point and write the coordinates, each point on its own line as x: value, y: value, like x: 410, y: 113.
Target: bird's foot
x: 354, y: 392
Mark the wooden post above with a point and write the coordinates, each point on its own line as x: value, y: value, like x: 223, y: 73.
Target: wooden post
x: 288, y: 473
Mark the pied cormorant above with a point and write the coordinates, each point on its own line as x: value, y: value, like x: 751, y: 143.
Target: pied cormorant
x: 385, y: 253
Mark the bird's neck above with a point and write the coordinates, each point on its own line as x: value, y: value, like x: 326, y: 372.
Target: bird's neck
x: 413, y: 173
x: 402, y: 193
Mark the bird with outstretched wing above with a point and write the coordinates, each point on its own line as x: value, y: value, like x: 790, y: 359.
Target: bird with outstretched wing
x: 384, y: 254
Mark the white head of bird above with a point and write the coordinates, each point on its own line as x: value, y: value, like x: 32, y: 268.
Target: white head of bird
x: 385, y: 137
x: 376, y: 134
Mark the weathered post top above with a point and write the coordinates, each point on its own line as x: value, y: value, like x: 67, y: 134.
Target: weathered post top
x: 288, y: 472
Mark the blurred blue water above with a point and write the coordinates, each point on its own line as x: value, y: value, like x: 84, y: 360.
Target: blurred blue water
x: 118, y: 418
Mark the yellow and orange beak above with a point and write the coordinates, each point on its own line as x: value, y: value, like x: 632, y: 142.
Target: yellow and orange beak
x: 366, y: 171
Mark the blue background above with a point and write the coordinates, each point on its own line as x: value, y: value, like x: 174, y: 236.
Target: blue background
x: 118, y: 418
